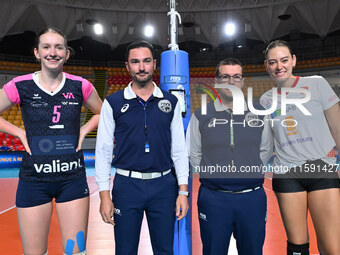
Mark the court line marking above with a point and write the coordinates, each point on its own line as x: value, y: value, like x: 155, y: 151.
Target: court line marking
x: 8, y: 209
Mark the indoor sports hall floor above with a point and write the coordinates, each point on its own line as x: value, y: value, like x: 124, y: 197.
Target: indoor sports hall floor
x: 100, y: 235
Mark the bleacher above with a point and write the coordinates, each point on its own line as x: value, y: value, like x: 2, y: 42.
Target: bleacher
x: 12, y: 115
x: 22, y: 68
x: 118, y: 78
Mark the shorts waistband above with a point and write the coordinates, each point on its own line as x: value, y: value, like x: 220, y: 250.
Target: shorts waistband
x: 237, y: 191
x: 139, y: 175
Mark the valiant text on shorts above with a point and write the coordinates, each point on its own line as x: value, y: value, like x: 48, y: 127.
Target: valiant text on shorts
x: 57, y: 166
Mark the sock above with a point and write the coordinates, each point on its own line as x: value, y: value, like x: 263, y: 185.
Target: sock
x: 297, y: 249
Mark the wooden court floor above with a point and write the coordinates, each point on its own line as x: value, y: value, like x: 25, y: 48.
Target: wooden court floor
x: 100, y: 235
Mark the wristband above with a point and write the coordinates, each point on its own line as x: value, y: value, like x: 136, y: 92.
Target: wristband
x: 185, y: 193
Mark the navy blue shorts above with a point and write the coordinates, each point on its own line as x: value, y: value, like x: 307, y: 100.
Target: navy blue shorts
x: 31, y: 194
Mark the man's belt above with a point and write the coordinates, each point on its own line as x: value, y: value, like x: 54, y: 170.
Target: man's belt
x: 139, y: 175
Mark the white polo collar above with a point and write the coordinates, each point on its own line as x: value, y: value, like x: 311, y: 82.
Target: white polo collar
x: 129, y: 94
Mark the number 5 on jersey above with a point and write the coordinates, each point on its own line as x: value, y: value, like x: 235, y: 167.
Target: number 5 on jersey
x: 56, y: 114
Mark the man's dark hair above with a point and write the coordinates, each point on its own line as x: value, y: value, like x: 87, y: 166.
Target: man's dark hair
x: 139, y: 44
x: 228, y: 61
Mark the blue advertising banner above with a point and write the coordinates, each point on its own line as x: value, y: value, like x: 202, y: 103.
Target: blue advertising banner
x: 9, y: 159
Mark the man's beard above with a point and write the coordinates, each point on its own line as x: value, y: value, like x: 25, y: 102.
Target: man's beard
x: 143, y: 82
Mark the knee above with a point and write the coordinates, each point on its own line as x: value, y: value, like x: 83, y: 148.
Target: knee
x: 331, y: 248
x: 300, y: 249
x: 330, y: 251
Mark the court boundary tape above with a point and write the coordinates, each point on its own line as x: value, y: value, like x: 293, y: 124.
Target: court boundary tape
x: 8, y: 209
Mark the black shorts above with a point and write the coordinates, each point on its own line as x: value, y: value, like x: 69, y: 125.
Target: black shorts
x: 31, y: 194
x: 313, y: 175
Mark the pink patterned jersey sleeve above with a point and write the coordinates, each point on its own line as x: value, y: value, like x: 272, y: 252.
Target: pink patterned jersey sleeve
x: 87, y: 86
x: 12, y: 92
x: 87, y: 89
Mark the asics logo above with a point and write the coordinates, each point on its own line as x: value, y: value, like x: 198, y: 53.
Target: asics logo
x: 124, y: 108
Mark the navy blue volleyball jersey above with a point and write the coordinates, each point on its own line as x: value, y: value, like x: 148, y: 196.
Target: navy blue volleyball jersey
x: 52, y: 124
x: 131, y: 137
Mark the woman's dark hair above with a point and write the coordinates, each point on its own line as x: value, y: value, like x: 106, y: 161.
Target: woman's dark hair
x: 277, y: 43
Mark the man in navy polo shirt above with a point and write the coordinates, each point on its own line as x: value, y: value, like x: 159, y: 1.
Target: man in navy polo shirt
x: 226, y: 150
x: 146, y: 124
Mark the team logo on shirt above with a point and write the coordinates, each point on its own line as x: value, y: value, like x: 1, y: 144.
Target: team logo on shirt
x: 252, y: 119
x: 45, y: 145
x: 68, y: 95
x: 165, y: 106
x: 124, y: 108
x: 36, y: 96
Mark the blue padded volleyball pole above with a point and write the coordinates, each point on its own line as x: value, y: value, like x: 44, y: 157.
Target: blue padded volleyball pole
x: 174, y: 77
